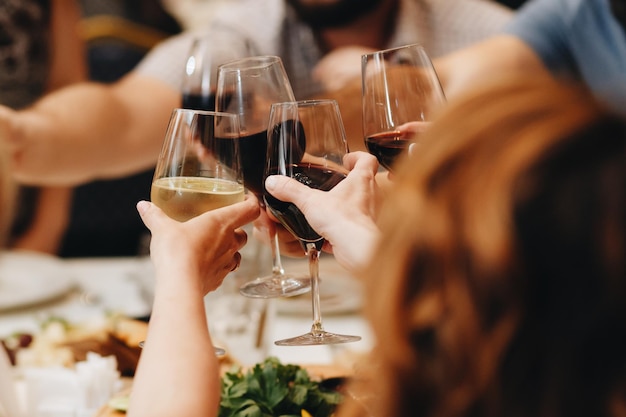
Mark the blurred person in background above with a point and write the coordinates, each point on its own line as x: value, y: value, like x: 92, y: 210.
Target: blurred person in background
x: 583, y: 40
x: 46, y: 45
x: 572, y: 39
x: 120, y: 126
x: 193, y: 14
x: 502, y: 243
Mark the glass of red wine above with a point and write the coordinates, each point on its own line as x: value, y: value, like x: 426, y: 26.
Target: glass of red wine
x: 248, y: 87
x: 307, y: 142
x: 401, y: 91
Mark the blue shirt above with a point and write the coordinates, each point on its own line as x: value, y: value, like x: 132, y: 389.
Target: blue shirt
x: 579, y: 38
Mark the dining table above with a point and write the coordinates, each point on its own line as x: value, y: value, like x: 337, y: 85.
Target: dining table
x: 35, y: 288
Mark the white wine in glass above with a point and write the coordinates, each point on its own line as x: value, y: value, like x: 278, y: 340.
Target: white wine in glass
x: 199, y: 165
x: 307, y: 142
x: 400, y: 88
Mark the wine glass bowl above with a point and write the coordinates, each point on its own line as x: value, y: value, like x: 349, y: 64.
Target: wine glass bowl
x: 307, y: 142
x: 198, y: 168
x: 399, y: 86
x: 248, y: 87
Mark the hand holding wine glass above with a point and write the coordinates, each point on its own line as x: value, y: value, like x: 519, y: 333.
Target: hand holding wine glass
x: 199, y: 166
x: 345, y: 216
x: 306, y: 141
x: 401, y: 91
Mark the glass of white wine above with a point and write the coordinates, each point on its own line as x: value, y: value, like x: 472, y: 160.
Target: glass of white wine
x: 199, y: 165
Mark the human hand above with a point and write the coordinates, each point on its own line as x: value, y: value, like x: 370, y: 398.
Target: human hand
x: 266, y: 225
x: 339, y: 66
x: 345, y: 216
x: 412, y: 130
x: 202, y: 250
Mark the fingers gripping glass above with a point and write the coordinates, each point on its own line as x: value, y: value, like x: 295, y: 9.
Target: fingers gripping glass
x: 306, y: 141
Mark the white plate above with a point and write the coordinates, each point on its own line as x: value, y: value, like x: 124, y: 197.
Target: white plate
x: 28, y: 278
x: 339, y: 292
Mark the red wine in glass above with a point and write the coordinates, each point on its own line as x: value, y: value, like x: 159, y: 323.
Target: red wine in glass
x: 311, y: 175
x: 198, y: 101
x: 387, y: 146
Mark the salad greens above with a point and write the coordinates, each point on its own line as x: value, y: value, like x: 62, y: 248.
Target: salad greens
x: 272, y: 389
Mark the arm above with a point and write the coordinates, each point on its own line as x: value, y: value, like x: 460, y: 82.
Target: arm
x: 177, y: 372
x: 88, y: 131
x: 502, y: 54
x: 346, y: 215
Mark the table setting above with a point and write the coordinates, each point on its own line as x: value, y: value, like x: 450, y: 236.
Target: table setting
x: 91, y: 293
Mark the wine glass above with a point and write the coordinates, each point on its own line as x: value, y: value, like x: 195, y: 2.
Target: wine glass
x: 400, y: 86
x: 199, y: 166
x: 248, y: 87
x: 200, y: 72
x: 307, y: 141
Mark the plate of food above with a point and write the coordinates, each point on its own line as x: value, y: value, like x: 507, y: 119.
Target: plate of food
x: 28, y: 278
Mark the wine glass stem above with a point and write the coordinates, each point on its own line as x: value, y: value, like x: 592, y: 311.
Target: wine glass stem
x: 314, y: 255
x: 277, y: 266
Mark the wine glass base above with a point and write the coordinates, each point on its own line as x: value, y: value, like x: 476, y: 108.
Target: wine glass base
x: 320, y: 338
x: 276, y: 286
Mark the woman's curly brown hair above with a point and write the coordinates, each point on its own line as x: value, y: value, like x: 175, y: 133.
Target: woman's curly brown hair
x: 499, y: 285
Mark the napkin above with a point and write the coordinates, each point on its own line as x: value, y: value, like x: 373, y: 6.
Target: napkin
x: 63, y: 392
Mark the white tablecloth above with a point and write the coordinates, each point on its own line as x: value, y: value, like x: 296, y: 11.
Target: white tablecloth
x: 103, y: 286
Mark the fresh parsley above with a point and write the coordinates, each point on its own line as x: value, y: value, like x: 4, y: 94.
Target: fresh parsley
x: 272, y: 389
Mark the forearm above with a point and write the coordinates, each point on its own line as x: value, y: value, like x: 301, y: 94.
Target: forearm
x: 499, y: 55
x: 178, y: 355
x: 88, y: 131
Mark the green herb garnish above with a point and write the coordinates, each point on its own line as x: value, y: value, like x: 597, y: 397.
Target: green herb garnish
x: 272, y: 389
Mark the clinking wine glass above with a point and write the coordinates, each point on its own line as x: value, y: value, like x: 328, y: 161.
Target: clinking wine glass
x: 199, y: 166
x: 307, y: 142
x: 400, y: 86
x: 248, y: 87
